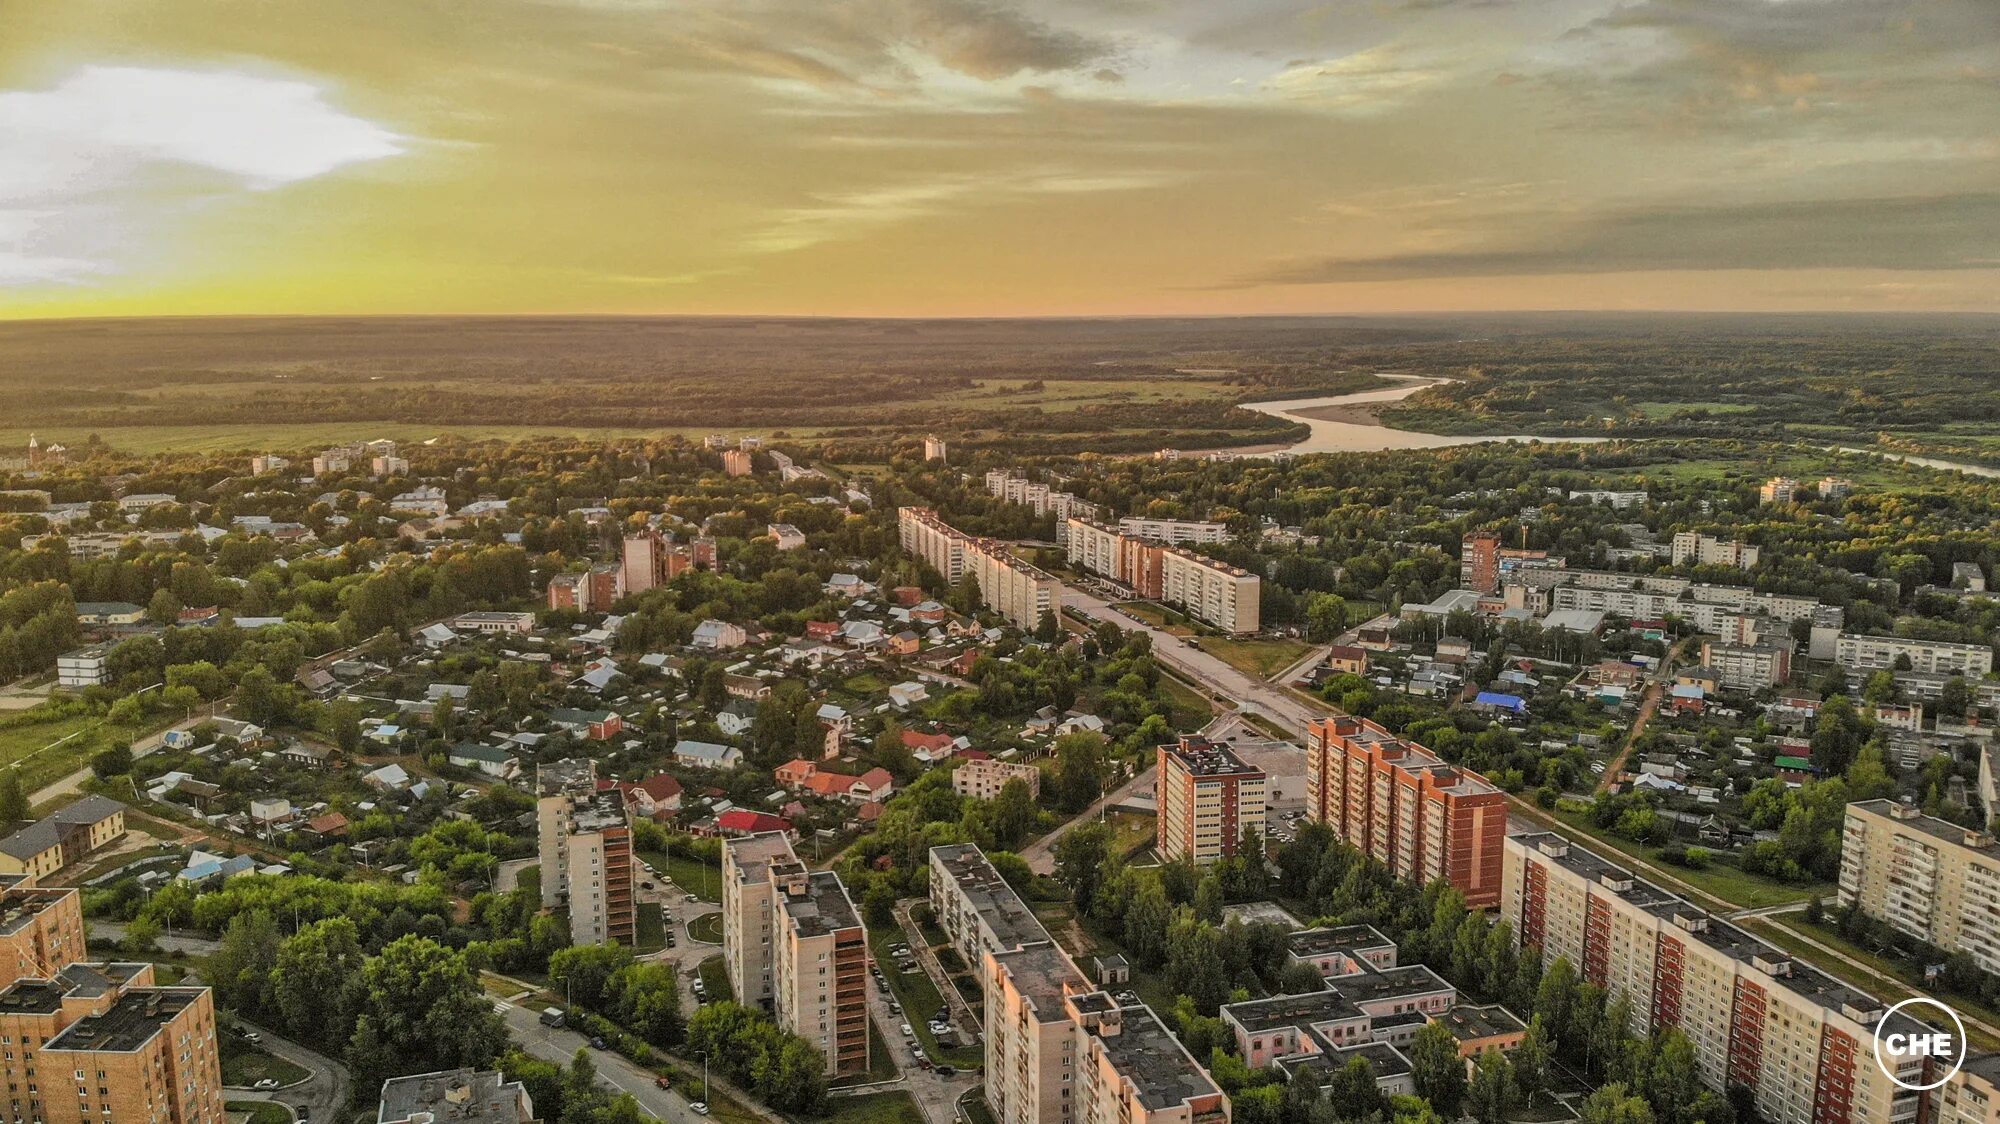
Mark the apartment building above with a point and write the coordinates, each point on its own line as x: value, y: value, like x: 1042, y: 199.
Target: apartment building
x: 41, y: 928
x: 1932, y: 657
x: 1778, y: 489
x: 1927, y: 878
x: 1706, y: 550
x: 1177, y: 532
x: 1208, y: 797
x: 1484, y: 565
x: 85, y: 667
x: 1016, y: 488
x: 1228, y: 597
x: 1130, y: 561
x: 651, y: 560
x: 983, y: 780
x: 746, y: 914
x: 1747, y: 667
x: 1009, y: 586
x: 1406, y: 807
x: 737, y: 462
x: 455, y: 1096
x: 584, y: 845
x: 1972, y: 1096
x: 936, y: 449
x: 591, y: 591
x: 95, y: 1042
x: 1800, y: 1041
x: 793, y: 943
x: 976, y: 907
x: 1061, y: 1051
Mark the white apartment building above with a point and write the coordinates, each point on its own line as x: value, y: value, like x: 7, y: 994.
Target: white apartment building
x: 1778, y: 489
x: 85, y: 667
x: 1801, y: 1042
x: 1709, y: 551
x: 1177, y: 532
x: 1009, y: 586
x: 1747, y: 667
x: 584, y: 845
x: 1934, y: 657
x: 746, y: 914
x: 819, y: 964
x: 976, y: 907
x: 983, y: 780
x: 1928, y: 878
x: 1211, y: 591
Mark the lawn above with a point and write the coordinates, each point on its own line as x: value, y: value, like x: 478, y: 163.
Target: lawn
x: 872, y: 1108
x: 1131, y: 832
x: 715, y: 979
x: 1260, y: 659
x: 693, y: 877
x: 1719, y: 880
x: 1784, y: 930
x: 652, y: 936
x: 974, y: 1105
x: 881, y: 1062
x: 261, y: 1112
x: 707, y: 927
x: 530, y: 875
x: 45, y: 747
x: 115, y: 862
x: 244, y: 1065
x: 1189, y: 708
x: 919, y: 997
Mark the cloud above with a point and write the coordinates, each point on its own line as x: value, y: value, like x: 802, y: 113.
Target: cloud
x: 104, y: 152
x: 1950, y: 232
x: 850, y: 214
x: 1366, y: 81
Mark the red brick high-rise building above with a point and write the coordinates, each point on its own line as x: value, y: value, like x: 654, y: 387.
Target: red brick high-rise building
x: 1208, y: 797
x: 1406, y: 807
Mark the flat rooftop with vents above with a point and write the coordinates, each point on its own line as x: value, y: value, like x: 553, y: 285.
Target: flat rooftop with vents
x: 129, y: 1023
x: 1162, y: 1072
x: 455, y: 1094
x: 823, y: 906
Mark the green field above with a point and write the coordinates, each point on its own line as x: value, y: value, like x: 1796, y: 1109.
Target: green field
x: 244, y: 1065
x: 261, y: 1112
x: 697, y: 878
x: 652, y: 935
x: 872, y: 1108
x: 1718, y: 879
x: 707, y: 927
x: 715, y: 979
x: 1259, y: 659
x: 46, y: 748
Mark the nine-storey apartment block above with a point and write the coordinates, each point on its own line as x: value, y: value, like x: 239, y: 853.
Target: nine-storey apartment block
x: 585, y: 850
x: 792, y: 939
x: 1208, y: 798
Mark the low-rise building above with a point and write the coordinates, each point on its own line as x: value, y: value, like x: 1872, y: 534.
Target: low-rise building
x: 42, y: 848
x: 85, y: 667
x: 983, y: 780
x: 455, y: 1096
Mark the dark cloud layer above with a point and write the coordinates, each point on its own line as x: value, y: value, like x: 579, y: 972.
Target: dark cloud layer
x: 1955, y: 232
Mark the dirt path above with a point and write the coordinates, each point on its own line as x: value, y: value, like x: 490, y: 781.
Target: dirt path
x: 1656, y: 689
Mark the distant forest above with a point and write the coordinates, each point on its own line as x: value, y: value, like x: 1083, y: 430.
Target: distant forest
x: 1107, y: 384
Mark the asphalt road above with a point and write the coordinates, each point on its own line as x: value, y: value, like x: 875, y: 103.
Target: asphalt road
x: 1250, y: 694
x: 620, y: 1075
x: 322, y: 1096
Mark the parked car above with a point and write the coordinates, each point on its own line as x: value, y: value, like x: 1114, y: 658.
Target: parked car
x: 663, y: 1082
x: 552, y: 1016
x: 946, y: 1071
x: 266, y: 1083
x: 907, y: 1032
x: 699, y: 1108
x: 597, y: 1042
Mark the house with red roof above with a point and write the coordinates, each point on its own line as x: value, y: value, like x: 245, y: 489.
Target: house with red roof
x: 795, y: 773
x: 656, y: 797
x: 822, y: 630
x: 740, y: 821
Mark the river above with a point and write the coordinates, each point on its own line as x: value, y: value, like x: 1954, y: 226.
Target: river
x: 1351, y: 429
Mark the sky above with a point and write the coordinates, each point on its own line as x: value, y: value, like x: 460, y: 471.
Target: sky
x: 996, y: 157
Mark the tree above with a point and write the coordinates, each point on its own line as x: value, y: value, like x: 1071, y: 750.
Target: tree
x: 164, y: 609
x: 240, y: 968
x: 584, y: 971
x: 1012, y: 814
x: 1615, y: 1104
x: 1491, y: 1093
x: 1080, y: 856
x: 257, y: 697
x: 1080, y: 770
x: 1326, y: 617
x: 1146, y: 921
x: 1300, y: 978
x: 421, y: 1008
x: 1048, y: 628
x: 113, y: 762
x: 313, y: 985
x: 13, y: 799
x: 1437, y: 1069
x: 1531, y: 1057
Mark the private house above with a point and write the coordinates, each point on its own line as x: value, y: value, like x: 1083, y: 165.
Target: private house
x: 595, y: 725
x: 707, y: 755
x: 497, y: 763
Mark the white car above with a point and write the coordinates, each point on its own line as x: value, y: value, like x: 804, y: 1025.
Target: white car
x: 917, y: 1052
x: 266, y: 1083
x: 699, y: 1108
x: 907, y: 1032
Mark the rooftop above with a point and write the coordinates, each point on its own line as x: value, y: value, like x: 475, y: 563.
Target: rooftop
x: 1308, y: 1009
x: 1468, y: 1022
x: 129, y: 1023
x: 754, y: 854
x: 453, y: 1094
x: 819, y: 904
x: 1160, y: 1069
x: 1042, y: 974
x: 1368, y: 987
x: 578, y: 774
x: 1957, y: 835
x: 1384, y: 1059
x: 1341, y: 938
x: 1204, y: 758
x: 1003, y: 911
